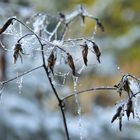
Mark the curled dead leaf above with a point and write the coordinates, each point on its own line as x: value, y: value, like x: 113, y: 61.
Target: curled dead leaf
x: 71, y: 63
x: 85, y: 53
x: 51, y: 62
x: 118, y: 115
x: 17, y: 52
x: 97, y: 51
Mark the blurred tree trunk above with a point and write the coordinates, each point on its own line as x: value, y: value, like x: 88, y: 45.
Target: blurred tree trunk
x: 7, y: 1
x: 2, y: 63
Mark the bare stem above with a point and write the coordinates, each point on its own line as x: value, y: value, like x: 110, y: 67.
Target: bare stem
x: 62, y: 107
x: 55, y: 30
x: 132, y: 76
x: 24, y: 37
x: 64, y: 32
x: 91, y: 89
x: 24, y: 73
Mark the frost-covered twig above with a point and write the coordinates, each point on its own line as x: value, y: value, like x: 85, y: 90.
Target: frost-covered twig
x: 92, y: 89
x: 24, y: 73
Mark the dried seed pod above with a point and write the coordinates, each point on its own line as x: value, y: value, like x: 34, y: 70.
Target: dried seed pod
x: 71, y: 63
x: 126, y: 87
x: 118, y: 114
x: 6, y: 25
x: 97, y: 51
x: 85, y: 53
x: 130, y: 109
x: 17, y: 52
x: 119, y: 89
x: 51, y: 61
x: 100, y: 25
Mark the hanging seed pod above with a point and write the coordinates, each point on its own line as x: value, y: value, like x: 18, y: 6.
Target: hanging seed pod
x: 71, y: 63
x: 99, y: 25
x: 118, y: 114
x: 97, y: 51
x: 51, y: 62
x: 127, y: 86
x: 85, y: 53
x: 6, y: 25
x: 130, y: 109
x: 119, y: 89
x: 17, y: 52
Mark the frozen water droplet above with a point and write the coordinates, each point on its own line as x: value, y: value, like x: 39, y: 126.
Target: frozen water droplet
x: 118, y: 68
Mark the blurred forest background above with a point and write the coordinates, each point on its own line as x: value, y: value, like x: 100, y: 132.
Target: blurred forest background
x: 34, y: 114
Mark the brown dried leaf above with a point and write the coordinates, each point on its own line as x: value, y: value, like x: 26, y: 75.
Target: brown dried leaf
x: 6, y: 25
x: 51, y: 61
x: 130, y: 109
x: 100, y: 25
x: 17, y: 52
x: 97, y: 51
x: 71, y: 63
x: 85, y: 53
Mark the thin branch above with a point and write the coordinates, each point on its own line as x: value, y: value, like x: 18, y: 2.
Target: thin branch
x: 24, y: 37
x: 132, y: 76
x: 62, y: 107
x: 24, y: 73
x: 61, y: 104
x: 55, y: 30
x: 64, y: 32
x: 51, y: 83
x: 91, y: 89
x: 135, y: 95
